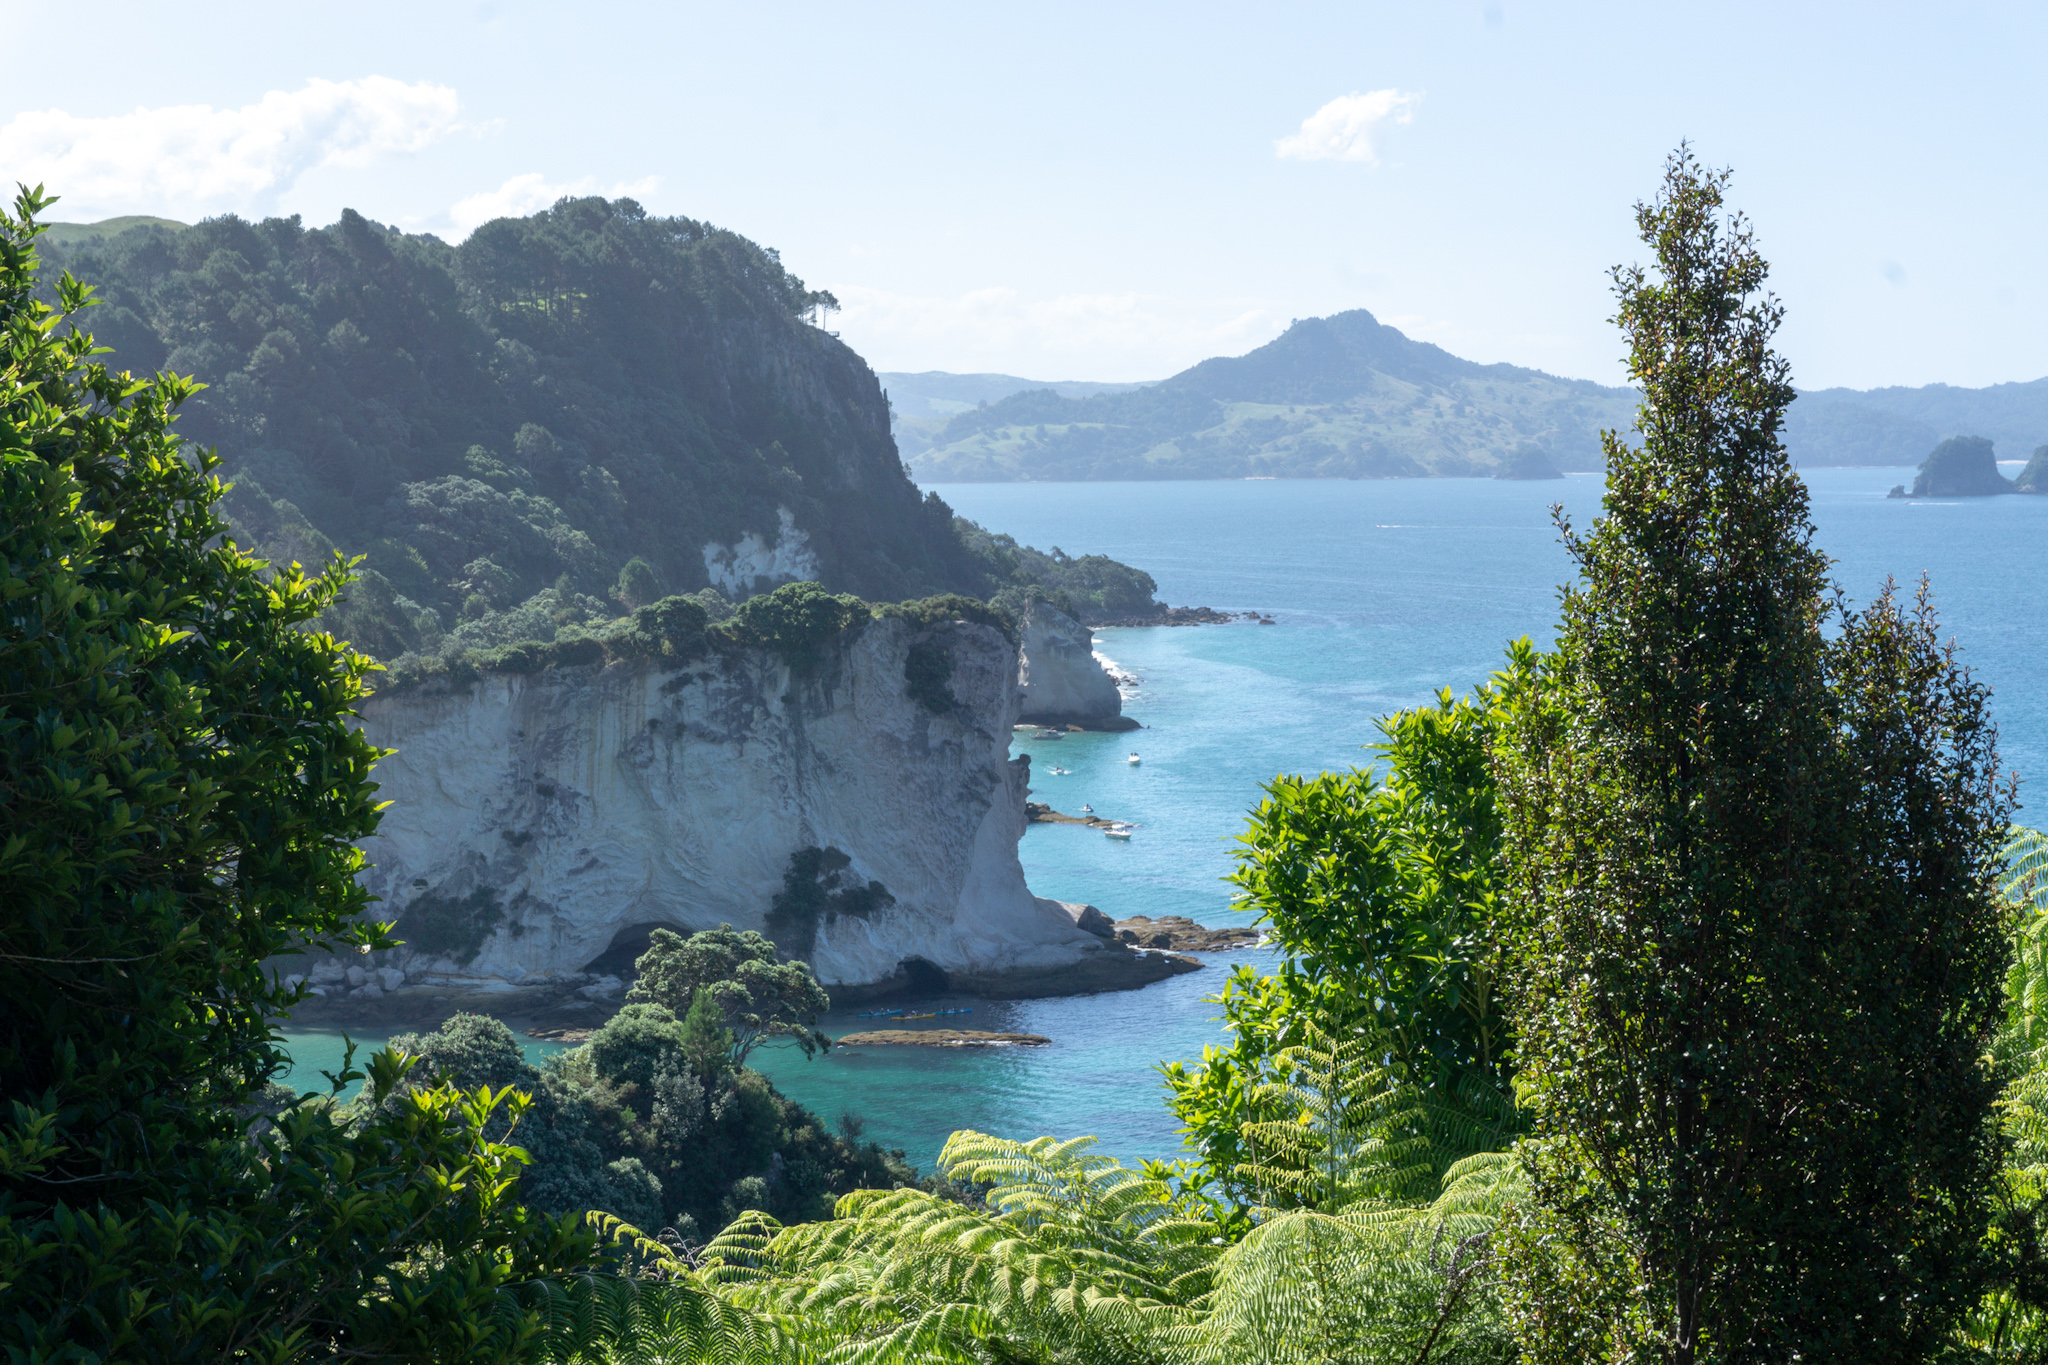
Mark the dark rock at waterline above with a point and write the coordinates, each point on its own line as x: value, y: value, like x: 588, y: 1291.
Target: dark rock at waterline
x: 1183, y: 935
x: 1961, y: 467
x: 941, y: 1037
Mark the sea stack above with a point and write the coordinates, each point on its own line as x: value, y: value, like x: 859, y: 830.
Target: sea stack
x: 1961, y: 467
x: 1060, y: 679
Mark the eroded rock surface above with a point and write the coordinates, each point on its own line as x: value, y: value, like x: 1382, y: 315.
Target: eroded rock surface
x: 1061, y: 680
x: 538, y: 820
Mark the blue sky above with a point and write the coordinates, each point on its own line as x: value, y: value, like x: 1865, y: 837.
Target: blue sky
x: 1116, y: 191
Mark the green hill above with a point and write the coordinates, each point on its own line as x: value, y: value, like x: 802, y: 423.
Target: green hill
x: 1346, y: 396
x: 1342, y: 396
x: 921, y: 404
x: 71, y: 234
x: 568, y: 414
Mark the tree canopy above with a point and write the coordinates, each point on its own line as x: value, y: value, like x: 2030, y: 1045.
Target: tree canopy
x: 182, y: 794
x: 1752, y: 848
x: 758, y: 996
x: 560, y: 420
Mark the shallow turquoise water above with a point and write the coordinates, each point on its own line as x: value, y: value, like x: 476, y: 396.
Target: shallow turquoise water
x: 1385, y: 591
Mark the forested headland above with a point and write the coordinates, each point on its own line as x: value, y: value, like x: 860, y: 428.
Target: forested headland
x: 544, y: 427
x: 1674, y: 994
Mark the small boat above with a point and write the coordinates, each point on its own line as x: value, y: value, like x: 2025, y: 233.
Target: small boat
x: 878, y: 1014
x: 1118, y: 830
x: 1134, y: 759
x: 1057, y: 771
x: 1087, y: 809
x: 921, y: 1016
x: 1050, y: 734
x: 968, y: 1010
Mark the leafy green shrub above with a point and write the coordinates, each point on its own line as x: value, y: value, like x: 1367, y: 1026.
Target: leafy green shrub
x: 1381, y: 888
x: 638, y: 584
x: 184, y: 794
x: 817, y: 890
x: 756, y: 996
x: 797, y: 622
x: 451, y: 926
x: 951, y: 606
x: 927, y: 674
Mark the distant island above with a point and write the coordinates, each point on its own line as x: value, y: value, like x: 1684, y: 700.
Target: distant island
x: 1967, y: 467
x: 1348, y: 397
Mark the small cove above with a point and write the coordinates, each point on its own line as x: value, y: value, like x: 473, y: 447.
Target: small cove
x: 1384, y: 592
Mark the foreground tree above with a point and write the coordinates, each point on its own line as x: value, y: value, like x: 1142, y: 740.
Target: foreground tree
x: 1381, y: 888
x: 1755, y: 868
x: 181, y: 792
x: 755, y: 995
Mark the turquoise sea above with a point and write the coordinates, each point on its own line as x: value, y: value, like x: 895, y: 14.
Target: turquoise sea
x: 1384, y: 591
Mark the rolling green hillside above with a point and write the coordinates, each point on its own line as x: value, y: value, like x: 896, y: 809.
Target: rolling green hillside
x: 1346, y: 396
x: 567, y: 415
x: 921, y: 404
x: 1336, y: 397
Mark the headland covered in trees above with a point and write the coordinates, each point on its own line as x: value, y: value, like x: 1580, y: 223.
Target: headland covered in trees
x: 567, y: 417
x: 1672, y: 995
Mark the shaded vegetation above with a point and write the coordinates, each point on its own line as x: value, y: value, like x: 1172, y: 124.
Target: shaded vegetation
x: 538, y: 429
x: 644, y: 1124
x: 181, y: 795
x: 817, y: 889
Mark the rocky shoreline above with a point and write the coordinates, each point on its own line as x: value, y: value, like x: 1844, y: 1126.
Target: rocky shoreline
x: 1178, y: 933
x: 1186, y: 616
x: 940, y: 1037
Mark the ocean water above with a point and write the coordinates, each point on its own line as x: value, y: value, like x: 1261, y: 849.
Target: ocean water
x: 1384, y: 592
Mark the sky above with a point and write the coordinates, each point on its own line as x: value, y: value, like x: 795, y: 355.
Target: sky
x: 1115, y: 191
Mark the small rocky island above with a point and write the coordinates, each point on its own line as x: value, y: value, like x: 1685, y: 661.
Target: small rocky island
x: 1960, y: 467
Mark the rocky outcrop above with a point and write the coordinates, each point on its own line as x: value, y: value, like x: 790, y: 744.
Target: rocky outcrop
x: 2034, y: 478
x: 940, y: 1037
x: 1182, y: 935
x: 1960, y: 467
x: 753, y: 565
x: 538, y: 820
x: 1061, y: 680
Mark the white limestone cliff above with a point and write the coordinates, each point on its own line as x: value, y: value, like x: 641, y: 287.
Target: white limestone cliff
x: 535, y: 817
x: 1059, y: 677
x: 752, y: 565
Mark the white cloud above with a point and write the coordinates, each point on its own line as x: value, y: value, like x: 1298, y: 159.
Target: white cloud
x: 189, y: 160
x: 1067, y: 336
x: 1342, y: 130
x: 522, y: 194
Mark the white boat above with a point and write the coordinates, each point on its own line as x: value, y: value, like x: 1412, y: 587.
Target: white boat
x: 1134, y: 759
x: 1117, y: 832
x: 1087, y: 809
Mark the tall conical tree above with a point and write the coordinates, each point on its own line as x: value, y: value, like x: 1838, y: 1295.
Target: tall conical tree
x: 1760, y: 934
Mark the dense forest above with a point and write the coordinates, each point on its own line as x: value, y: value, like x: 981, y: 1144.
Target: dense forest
x: 1677, y: 994
x: 543, y: 427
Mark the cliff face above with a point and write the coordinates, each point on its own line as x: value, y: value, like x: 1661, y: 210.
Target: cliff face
x: 536, y: 819
x: 1061, y: 680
